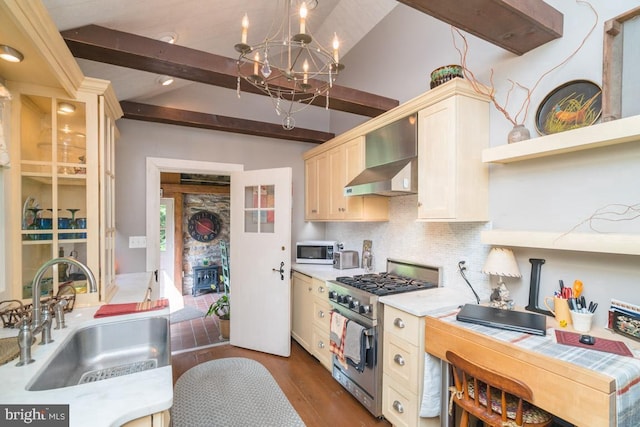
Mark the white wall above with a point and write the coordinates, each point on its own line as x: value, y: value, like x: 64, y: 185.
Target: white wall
x: 140, y: 140
x: 551, y: 194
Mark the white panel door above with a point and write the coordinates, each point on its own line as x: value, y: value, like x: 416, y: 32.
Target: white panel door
x: 167, y: 258
x: 260, y: 260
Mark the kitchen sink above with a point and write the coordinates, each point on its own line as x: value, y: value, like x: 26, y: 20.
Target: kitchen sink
x: 106, y: 350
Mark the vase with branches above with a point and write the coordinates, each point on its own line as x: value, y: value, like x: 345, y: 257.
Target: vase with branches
x: 519, y: 131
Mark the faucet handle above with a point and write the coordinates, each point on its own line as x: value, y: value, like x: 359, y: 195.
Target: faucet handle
x: 46, y: 325
x: 58, y: 310
x: 25, y: 340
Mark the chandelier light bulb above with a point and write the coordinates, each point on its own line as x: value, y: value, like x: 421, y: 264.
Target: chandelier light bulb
x: 303, y: 17
x: 305, y: 69
x: 245, y: 28
x: 336, y: 46
x: 256, y: 58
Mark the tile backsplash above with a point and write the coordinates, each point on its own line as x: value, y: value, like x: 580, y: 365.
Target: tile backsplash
x: 440, y: 244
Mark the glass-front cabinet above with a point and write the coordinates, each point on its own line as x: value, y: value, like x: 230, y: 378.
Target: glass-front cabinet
x: 63, y: 195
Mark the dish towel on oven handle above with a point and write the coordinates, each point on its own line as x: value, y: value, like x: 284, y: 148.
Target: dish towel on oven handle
x: 337, y: 334
x: 356, y: 345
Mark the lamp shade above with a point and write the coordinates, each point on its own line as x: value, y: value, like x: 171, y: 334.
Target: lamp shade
x: 501, y: 262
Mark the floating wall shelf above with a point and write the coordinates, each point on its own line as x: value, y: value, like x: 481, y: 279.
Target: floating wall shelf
x: 595, y: 136
x: 625, y: 244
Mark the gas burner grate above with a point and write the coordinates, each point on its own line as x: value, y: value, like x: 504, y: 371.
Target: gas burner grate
x: 385, y: 283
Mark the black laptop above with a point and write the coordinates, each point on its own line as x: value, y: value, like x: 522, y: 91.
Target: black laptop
x: 511, y: 320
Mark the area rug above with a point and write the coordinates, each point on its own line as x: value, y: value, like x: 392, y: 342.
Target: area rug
x: 231, y: 392
x: 187, y: 313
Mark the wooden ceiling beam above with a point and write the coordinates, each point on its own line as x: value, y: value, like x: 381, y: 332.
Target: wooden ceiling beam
x: 173, y: 116
x: 515, y: 25
x: 105, y: 45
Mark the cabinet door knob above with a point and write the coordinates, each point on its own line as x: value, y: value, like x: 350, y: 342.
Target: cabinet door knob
x: 398, y: 406
x: 321, y: 314
x: 320, y: 289
x: 320, y: 344
x: 398, y: 323
x: 398, y: 359
x: 310, y: 289
x: 419, y: 204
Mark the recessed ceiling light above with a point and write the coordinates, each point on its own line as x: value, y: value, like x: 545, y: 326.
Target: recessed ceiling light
x: 165, y: 80
x: 168, y: 37
x: 66, y: 108
x: 10, y: 54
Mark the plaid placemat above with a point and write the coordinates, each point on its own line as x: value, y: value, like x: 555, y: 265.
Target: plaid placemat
x: 601, y: 344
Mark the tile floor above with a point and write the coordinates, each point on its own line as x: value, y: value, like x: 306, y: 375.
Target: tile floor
x: 196, y: 333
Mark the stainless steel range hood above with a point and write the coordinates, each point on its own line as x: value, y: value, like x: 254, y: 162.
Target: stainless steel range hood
x: 391, y: 160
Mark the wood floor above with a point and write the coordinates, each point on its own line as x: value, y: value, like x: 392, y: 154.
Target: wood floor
x: 317, y: 397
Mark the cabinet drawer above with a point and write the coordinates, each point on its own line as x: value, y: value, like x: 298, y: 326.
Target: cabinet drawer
x: 320, y: 346
x: 399, y: 406
x: 402, y: 324
x: 322, y: 314
x: 320, y: 289
x: 402, y: 361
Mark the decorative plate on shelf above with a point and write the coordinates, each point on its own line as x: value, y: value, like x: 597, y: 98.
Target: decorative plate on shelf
x: 28, y: 215
x: 573, y: 105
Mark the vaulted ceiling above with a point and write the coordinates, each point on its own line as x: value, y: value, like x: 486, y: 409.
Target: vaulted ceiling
x: 117, y: 40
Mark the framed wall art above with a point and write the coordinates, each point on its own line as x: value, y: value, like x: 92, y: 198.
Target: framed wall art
x: 621, y: 61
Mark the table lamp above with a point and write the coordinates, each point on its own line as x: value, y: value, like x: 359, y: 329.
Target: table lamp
x: 501, y: 262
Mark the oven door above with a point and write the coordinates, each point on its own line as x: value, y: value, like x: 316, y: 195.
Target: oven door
x: 369, y: 379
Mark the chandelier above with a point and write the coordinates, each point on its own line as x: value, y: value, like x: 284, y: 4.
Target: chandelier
x: 289, y: 65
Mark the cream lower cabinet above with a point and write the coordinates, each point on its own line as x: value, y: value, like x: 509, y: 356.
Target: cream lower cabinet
x: 326, y: 175
x: 453, y: 183
x: 159, y: 419
x: 62, y: 188
x: 321, y: 323
x: 403, y: 369
x: 301, y: 309
x: 311, y: 314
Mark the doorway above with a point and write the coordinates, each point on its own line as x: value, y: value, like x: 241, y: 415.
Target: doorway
x: 198, y: 332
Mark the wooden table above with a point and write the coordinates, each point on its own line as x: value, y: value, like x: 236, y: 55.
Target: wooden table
x: 576, y: 394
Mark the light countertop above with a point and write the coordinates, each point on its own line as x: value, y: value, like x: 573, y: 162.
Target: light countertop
x: 417, y: 303
x: 421, y: 303
x: 324, y: 271
x: 106, y: 403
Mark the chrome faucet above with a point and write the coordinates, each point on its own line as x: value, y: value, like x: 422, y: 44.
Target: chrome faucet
x: 41, y: 319
x: 36, y: 318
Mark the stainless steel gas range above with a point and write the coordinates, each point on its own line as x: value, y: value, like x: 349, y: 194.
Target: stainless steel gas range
x: 357, y: 299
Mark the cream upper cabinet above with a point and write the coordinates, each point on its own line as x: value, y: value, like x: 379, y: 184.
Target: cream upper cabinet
x: 326, y: 175
x: 316, y: 201
x: 453, y: 183
x: 62, y: 187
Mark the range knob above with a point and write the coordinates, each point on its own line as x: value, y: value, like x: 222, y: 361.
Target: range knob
x: 341, y: 299
x: 354, y: 304
x: 333, y: 295
x: 348, y: 299
x: 365, y: 309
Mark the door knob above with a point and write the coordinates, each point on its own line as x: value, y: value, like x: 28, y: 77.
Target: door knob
x: 280, y: 270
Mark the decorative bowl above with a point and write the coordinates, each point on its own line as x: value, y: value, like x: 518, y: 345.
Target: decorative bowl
x: 444, y: 74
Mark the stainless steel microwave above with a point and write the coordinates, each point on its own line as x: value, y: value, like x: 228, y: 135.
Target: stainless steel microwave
x: 315, y: 251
